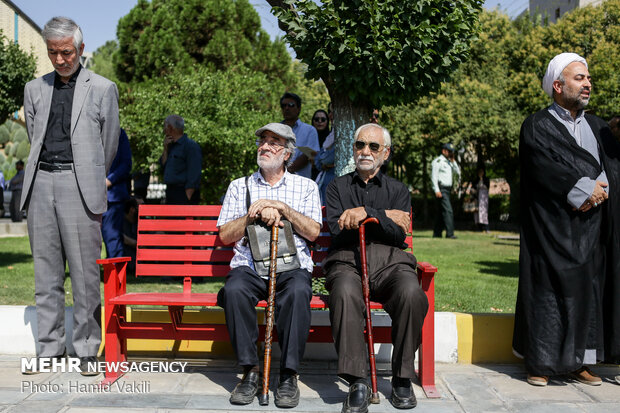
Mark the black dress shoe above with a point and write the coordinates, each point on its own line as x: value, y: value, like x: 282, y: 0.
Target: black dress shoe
x: 88, y: 366
x: 452, y: 237
x: 246, y: 389
x: 357, y: 399
x: 402, y: 394
x: 287, y: 393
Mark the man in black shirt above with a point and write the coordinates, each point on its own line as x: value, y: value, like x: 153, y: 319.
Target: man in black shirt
x: 351, y: 198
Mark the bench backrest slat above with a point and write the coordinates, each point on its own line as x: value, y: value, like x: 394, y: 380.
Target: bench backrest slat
x: 182, y: 240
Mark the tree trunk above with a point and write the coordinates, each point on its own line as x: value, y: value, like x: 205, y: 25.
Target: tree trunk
x: 348, y: 116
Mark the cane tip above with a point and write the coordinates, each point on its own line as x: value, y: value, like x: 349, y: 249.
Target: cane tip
x: 263, y: 399
x: 374, y: 398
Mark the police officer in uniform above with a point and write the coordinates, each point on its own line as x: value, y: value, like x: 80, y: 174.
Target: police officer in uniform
x: 443, y: 168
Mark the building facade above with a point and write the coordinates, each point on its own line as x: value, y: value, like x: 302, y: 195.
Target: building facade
x: 552, y: 10
x: 19, y: 28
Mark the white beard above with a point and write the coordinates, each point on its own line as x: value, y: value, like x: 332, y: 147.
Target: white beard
x: 272, y: 164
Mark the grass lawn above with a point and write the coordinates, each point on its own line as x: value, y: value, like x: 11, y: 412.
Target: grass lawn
x: 477, y: 273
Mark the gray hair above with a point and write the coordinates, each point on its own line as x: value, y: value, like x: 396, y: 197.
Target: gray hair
x: 63, y: 27
x: 387, y: 139
x: 290, y: 148
x: 175, y: 121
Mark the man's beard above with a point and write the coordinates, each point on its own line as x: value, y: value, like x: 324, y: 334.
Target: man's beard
x: 274, y: 163
x: 574, y: 98
x: 71, y: 72
x: 376, y: 163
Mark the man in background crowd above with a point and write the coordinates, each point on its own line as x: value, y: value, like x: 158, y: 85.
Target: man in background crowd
x: 182, y: 164
x: 307, y: 136
x: 15, y: 185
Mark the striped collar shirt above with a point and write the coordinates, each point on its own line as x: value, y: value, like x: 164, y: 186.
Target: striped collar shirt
x: 301, y: 194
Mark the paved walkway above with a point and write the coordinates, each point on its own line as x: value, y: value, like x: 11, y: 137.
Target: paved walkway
x: 206, y: 384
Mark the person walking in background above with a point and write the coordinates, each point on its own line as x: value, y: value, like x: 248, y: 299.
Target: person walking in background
x: 182, y: 164
x: 444, y: 167
x: 566, y: 181
x: 117, y: 183
x: 325, y: 160
x: 15, y: 185
x: 73, y: 127
x: 480, y: 188
x: 307, y: 136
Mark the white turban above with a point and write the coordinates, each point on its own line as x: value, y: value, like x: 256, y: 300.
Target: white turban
x: 555, y: 68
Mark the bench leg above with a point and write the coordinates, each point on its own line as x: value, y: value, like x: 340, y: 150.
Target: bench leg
x: 426, y: 355
x: 115, y: 343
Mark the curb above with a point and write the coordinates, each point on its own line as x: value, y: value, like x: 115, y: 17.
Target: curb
x: 459, y: 337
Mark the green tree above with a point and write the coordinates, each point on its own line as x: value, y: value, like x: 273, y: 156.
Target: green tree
x: 222, y: 109
x: 158, y: 36
x: 16, y: 69
x: 103, y: 61
x: 371, y: 53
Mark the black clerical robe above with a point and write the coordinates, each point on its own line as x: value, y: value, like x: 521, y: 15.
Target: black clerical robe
x: 563, y: 252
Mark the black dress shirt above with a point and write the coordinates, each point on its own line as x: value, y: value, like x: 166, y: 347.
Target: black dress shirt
x: 57, y: 143
x: 378, y: 195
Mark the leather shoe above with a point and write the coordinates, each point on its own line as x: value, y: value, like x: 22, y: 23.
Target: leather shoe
x: 357, y: 399
x: 402, y: 394
x: 287, y: 393
x: 245, y: 391
x: 585, y: 376
x: 88, y: 366
x: 452, y: 237
x: 537, y: 380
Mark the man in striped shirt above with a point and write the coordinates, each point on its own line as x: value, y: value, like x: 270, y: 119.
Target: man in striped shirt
x: 275, y: 194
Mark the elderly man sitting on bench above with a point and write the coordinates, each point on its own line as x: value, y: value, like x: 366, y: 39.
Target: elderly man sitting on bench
x: 274, y: 194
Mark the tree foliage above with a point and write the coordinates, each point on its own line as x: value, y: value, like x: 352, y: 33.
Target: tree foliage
x: 221, y: 109
x: 16, y: 68
x: 482, y: 106
x: 158, y: 36
x: 370, y: 53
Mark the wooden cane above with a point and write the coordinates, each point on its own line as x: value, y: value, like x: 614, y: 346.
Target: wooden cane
x: 263, y: 398
x: 366, y: 290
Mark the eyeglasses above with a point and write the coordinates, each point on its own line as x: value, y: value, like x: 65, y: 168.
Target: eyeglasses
x: 374, y: 146
x: 273, y: 145
x: 319, y: 119
x: 289, y: 104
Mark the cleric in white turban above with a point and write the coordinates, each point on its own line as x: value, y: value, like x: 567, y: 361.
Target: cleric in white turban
x: 569, y: 233
x: 555, y: 68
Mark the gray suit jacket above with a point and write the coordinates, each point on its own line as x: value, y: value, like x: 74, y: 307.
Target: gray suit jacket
x: 94, y: 133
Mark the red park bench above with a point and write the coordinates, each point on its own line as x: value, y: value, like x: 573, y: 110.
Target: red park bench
x: 183, y: 241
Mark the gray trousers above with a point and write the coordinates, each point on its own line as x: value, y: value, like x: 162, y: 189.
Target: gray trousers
x: 61, y: 229
x: 394, y: 283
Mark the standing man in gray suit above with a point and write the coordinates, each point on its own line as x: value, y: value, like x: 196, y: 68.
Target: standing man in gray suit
x: 73, y: 128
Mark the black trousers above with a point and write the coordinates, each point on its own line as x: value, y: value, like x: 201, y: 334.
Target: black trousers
x: 394, y: 283
x: 239, y: 296
x: 445, y: 216
x: 175, y: 195
x: 16, y: 213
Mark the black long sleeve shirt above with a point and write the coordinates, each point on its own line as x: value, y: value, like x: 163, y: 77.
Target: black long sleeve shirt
x: 57, y: 143
x: 378, y: 195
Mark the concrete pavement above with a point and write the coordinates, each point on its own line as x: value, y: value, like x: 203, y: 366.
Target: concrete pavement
x: 206, y: 384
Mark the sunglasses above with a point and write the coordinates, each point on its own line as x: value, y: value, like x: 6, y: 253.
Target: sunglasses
x: 374, y: 146
x: 290, y: 105
x: 319, y: 119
